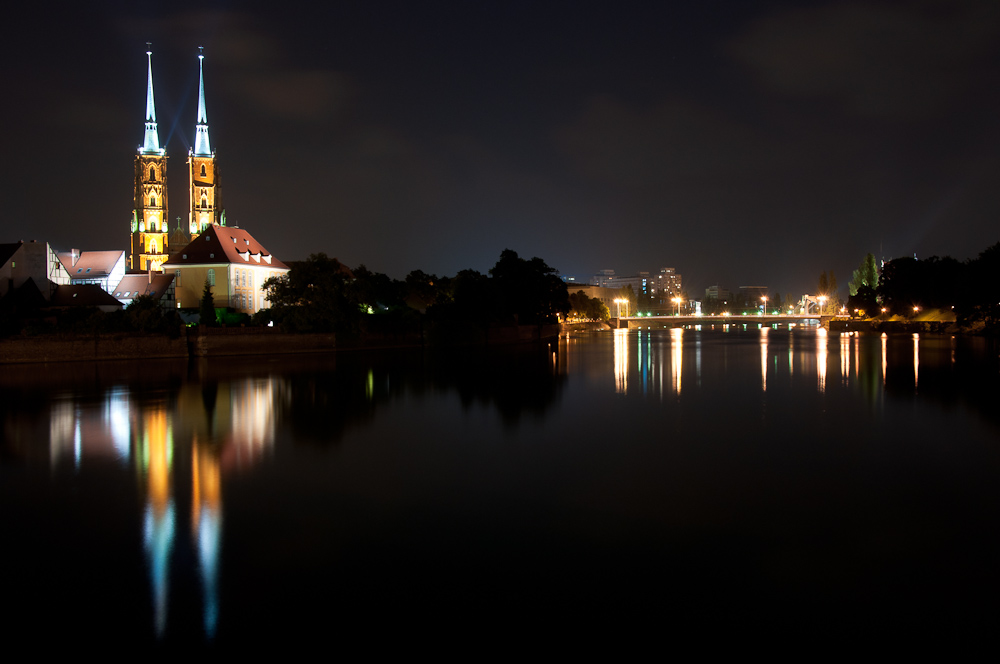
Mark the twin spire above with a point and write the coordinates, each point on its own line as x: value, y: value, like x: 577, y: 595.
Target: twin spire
x: 202, y: 148
x: 151, y: 141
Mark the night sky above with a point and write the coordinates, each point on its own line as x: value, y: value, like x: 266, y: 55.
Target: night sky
x: 742, y: 143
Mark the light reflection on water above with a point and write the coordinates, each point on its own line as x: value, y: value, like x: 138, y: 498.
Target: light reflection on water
x: 605, y: 430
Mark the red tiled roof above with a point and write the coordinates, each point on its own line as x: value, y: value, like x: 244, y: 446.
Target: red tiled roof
x: 101, y: 263
x: 224, y: 244
x: 84, y: 295
x: 140, y: 284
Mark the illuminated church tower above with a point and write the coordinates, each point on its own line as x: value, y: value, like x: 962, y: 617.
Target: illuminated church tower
x: 203, y: 170
x: 148, y: 249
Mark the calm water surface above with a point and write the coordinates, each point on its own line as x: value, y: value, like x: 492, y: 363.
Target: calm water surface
x: 703, y: 474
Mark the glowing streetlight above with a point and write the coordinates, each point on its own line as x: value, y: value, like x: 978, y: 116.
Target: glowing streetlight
x: 677, y: 301
x: 822, y: 299
x: 764, y: 300
x: 620, y: 302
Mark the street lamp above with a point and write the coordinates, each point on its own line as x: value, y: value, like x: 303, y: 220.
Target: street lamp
x: 764, y: 299
x: 677, y: 301
x: 822, y: 299
x: 620, y: 302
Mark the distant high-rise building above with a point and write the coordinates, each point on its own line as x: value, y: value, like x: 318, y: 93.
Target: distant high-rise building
x: 149, y: 233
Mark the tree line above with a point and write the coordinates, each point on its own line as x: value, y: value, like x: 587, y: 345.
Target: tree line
x: 903, y: 286
x: 320, y: 294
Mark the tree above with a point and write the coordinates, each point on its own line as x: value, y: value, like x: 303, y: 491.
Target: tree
x: 146, y: 314
x: 588, y: 308
x: 528, y: 291
x: 314, y: 296
x: 206, y: 314
x: 865, y: 275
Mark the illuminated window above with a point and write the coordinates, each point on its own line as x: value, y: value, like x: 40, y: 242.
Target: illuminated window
x: 152, y: 201
x: 204, y: 201
x: 211, y: 277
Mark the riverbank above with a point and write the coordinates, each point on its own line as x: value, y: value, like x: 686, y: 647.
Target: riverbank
x: 246, y: 341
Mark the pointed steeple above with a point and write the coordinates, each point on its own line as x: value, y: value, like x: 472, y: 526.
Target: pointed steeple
x: 202, y: 147
x: 151, y: 142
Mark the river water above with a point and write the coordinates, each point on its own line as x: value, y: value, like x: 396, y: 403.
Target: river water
x: 719, y: 474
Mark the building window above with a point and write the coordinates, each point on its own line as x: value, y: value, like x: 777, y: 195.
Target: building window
x: 152, y: 201
x: 203, y: 170
x: 152, y: 174
x: 211, y: 276
x: 204, y: 201
x: 177, y: 277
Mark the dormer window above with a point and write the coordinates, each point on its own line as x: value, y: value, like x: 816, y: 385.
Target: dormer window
x: 207, y: 239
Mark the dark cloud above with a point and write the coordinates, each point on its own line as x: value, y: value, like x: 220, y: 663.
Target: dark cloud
x: 886, y: 60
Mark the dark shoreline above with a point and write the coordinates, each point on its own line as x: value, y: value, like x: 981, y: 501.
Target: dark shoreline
x: 238, y: 342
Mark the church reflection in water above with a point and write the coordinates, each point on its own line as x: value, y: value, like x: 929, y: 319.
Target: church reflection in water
x: 188, y: 439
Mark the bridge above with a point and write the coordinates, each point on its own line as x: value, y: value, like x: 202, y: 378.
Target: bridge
x: 636, y: 322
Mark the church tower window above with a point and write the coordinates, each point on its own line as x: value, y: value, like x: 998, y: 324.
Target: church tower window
x: 203, y: 170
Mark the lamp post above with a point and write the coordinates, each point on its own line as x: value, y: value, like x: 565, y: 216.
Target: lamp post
x: 764, y: 299
x: 822, y: 299
x: 677, y: 301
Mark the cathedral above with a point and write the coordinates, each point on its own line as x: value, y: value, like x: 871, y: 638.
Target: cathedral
x: 151, y: 237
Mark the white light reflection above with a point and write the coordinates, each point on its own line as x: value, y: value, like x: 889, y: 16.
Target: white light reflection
x: 117, y: 415
x: 763, y: 357
x: 885, y: 338
x: 857, y: 356
x: 916, y: 359
x: 252, y: 408
x: 821, y: 353
x: 845, y: 356
x: 621, y: 360
x: 676, y: 358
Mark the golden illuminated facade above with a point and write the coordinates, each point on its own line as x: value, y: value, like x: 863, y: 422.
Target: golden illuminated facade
x: 149, y: 232
x: 203, y: 172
